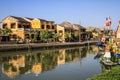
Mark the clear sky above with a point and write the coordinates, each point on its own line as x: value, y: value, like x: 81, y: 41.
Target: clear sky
x: 84, y: 12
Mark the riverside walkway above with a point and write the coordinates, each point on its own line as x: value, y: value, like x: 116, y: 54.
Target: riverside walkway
x: 4, y: 47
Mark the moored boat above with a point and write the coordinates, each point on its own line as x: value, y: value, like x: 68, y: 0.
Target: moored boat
x: 110, y: 63
x: 99, y: 44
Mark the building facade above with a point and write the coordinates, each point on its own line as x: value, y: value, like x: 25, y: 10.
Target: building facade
x: 17, y: 25
x: 32, y: 29
x: 27, y: 28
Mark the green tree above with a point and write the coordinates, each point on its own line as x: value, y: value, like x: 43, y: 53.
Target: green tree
x: 68, y: 36
x: 56, y: 36
x: 46, y: 35
x: 1, y: 31
x: 6, y: 32
x: 34, y: 35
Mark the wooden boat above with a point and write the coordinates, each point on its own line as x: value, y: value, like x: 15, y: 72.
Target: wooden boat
x: 108, y: 63
x: 101, y: 48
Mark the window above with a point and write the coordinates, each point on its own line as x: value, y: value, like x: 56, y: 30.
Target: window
x: 55, y: 31
x: 24, y: 26
x: 27, y: 36
x: 48, y: 27
x: 12, y: 25
x: 27, y: 26
x: 42, y: 26
x: 19, y: 26
x: 60, y: 31
x: 53, y: 27
x: 14, y: 36
x: 4, y: 26
x: 32, y: 36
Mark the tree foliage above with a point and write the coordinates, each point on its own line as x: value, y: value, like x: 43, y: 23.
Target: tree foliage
x: 56, y: 36
x: 5, y: 32
x: 46, y: 35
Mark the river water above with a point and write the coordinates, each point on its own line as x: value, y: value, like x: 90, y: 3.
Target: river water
x: 74, y: 63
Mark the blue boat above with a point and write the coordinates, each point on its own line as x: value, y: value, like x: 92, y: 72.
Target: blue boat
x: 117, y: 55
x: 110, y: 63
x: 99, y: 44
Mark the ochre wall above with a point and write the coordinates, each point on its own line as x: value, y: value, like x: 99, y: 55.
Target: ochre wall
x: 36, y: 23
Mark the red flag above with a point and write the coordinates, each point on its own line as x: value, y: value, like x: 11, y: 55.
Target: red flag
x: 108, y: 22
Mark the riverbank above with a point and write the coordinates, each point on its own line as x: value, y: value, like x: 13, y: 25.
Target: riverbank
x: 113, y: 74
x: 4, y: 47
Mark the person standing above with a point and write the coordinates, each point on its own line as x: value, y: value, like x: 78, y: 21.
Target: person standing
x: 107, y: 53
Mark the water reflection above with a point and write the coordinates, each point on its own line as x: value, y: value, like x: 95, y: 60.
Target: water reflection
x: 36, y: 62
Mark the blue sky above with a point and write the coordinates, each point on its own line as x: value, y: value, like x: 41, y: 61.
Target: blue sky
x: 84, y: 12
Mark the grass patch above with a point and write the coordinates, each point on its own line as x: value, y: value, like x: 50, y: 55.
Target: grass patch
x: 114, y: 74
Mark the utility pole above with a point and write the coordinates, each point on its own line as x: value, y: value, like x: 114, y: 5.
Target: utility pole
x: 0, y: 24
x: 80, y: 32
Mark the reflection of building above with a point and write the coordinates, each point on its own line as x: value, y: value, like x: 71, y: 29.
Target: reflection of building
x: 37, y: 68
x: 11, y: 69
x: 20, y: 62
x: 61, y: 57
x: 95, y: 49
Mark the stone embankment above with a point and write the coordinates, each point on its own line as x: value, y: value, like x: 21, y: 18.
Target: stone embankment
x: 4, y: 47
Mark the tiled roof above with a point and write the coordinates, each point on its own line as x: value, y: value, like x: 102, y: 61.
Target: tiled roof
x: 20, y: 19
x: 69, y: 25
x: 66, y: 25
x: 45, y: 20
x: 41, y: 19
x: 29, y: 18
x: 80, y: 26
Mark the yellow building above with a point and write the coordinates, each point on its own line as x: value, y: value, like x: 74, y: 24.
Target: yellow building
x: 19, y: 27
x: 73, y: 32
x: 22, y: 28
x: 61, y: 31
x: 40, y: 25
x: 35, y: 24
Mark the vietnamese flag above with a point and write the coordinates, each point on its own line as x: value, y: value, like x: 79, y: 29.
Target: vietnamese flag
x: 108, y: 22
